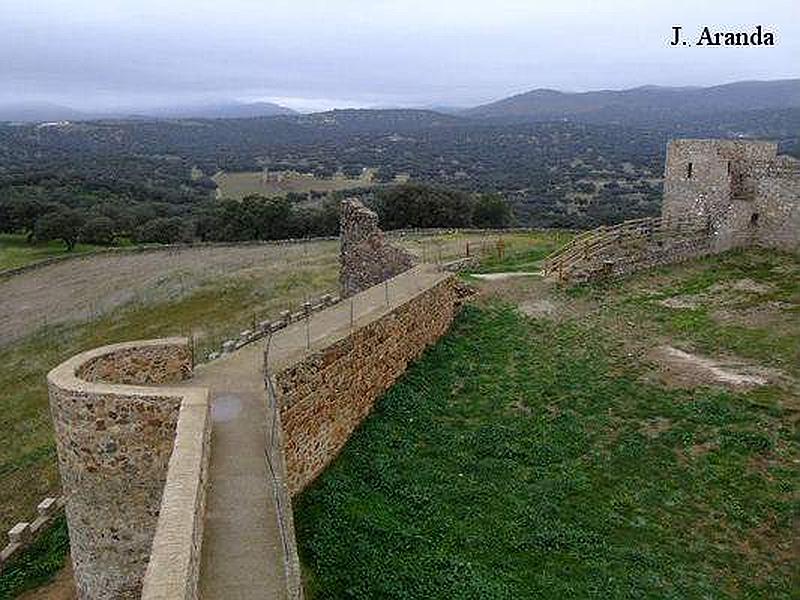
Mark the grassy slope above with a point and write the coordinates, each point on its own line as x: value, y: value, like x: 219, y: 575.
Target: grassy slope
x: 525, y: 458
x: 15, y: 251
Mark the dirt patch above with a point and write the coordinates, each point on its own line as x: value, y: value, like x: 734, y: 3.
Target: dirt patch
x: 686, y: 370
x: 761, y: 316
x: 62, y: 588
x: 541, y: 308
x: 504, y: 276
x: 682, y: 302
x: 655, y: 427
x: 91, y: 286
x: 742, y: 285
x: 696, y: 451
x: 720, y: 294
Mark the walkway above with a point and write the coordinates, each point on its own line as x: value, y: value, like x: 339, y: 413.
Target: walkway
x: 243, y: 549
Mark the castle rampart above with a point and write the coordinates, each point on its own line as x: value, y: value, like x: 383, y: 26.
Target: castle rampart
x: 115, y: 440
x: 325, y: 395
x: 718, y: 195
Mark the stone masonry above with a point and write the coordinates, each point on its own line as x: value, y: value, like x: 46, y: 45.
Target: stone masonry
x: 742, y: 189
x: 718, y: 195
x: 114, y: 445
x: 367, y: 259
x: 325, y: 396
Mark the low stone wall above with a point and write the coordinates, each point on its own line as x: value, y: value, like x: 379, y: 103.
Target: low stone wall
x: 115, y: 443
x: 325, y: 396
x: 645, y: 249
x: 23, y: 534
x: 174, y: 568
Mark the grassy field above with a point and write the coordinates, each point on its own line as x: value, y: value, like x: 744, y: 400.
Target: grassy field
x: 15, y: 251
x: 46, y: 557
x: 539, y: 450
x: 239, y: 185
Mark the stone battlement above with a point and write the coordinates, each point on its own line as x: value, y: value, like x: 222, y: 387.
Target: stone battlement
x: 133, y: 460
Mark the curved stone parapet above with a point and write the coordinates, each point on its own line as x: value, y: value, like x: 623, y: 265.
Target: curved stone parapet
x: 115, y: 435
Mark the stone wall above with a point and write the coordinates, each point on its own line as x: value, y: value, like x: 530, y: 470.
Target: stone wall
x: 617, y: 250
x: 777, y: 204
x: 748, y: 194
x: 115, y: 443
x: 173, y: 569
x: 323, y: 397
x: 366, y: 257
x: 718, y: 195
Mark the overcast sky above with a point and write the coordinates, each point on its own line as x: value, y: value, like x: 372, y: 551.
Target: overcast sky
x: 313, y: 55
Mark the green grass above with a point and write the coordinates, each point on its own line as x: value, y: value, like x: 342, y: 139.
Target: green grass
x: 522, y: 252
x: 38, y: 564
x: 15, y: 251
x: 525, y: 458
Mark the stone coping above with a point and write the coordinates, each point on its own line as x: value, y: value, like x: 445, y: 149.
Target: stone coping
x: 65, y: 376
x: 172, y: 570
x: 174, y: 567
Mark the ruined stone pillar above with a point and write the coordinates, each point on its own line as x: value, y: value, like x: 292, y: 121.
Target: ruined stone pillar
x: 367, y: 259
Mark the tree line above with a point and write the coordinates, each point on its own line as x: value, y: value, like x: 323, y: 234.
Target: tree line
x: 110, y: 220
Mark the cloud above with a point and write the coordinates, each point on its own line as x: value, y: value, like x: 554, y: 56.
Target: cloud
x: 115, y: 52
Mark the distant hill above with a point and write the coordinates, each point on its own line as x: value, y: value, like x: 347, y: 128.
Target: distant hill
x: 643, y: 104
x: 376, y: 120
x: 232, y: 110
x: 42, y: 111
x: 38, y: 111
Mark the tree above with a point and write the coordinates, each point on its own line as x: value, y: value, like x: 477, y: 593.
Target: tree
x: 415, y: 205
x: 161, y: 230
x: 61, y: 224
x: 491, y: 210
x: 98, y: 230
x: 21, y: 214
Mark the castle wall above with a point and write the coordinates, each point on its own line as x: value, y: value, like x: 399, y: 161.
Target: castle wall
x: 746, y: 193
x: 367, y: 259
x: 643, y: 244
x: 114, y: 444
x: 326, y: 395
x: 777, y: 205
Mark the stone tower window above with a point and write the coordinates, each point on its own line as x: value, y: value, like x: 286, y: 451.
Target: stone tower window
x: 689, y: 168
x: 729, y: 167
x: 754, y: 219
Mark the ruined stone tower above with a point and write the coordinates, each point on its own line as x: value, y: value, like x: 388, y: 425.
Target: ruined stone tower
x: 366, y: 257
x: 743, y: 191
